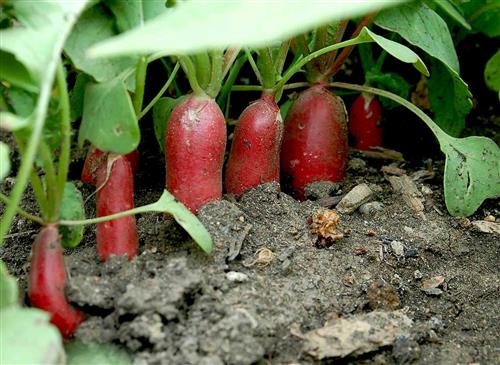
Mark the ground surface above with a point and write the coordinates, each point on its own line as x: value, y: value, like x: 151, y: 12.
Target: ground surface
x: 267, y: 286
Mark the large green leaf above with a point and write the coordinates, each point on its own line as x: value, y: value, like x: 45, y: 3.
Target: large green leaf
x: 449, y: 8
x: 133, y: 13
x: 77, y: 95
x: 194, y: 26
x: 449, y: 97
x: 471, y: 174
x: 79, y: 353
x: 109, y: 120
x: 8, y: 288
x: 92, y: 27
x: 71, y: 208
x: 421, y: 26
x: 492, y: 72
x: 28, y: 48
x: 483, y: 15
x: 27, y: 337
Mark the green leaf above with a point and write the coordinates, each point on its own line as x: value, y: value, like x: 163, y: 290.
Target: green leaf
x: 84, y: 354
x: 389, y: 81
x: 77, y: 94
x: 109, y: 120
x: 449, y: 97
x: 27, y: 337
x: 483, y: 16
x: 492, y: 72
x: 449, y: 8
x: 92, y: 27
x: 29, y: 47
x: 199, y: 26
x: 471, y: 174
x: 133, y: 13
x: 421, y: 26
x: 12, y: 122
x: 71, y: 209
x: 161, y: 113
x: 9, y: 293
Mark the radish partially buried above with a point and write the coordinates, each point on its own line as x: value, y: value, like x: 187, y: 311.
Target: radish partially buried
x: 254, y: 156
x: 96, y: 158
x: 47, y: 279
x: 364, y: 122
x: 195, y: 141
x: 315, y: 140
x: 116, y: 194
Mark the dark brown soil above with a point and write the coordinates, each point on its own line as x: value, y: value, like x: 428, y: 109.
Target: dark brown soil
x: 267, y: 284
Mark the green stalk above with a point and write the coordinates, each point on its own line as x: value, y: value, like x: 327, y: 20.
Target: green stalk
x: 6, y: 200
x: 266, y: 68
x: 253, y: 65
x: 279, y: 62
x: 178, y: 91
x: 203, y: 67
x: 226, y: 89
x: 160, y: 93
x: 140, y: 81
x: 64, y: 157
x: 50, y: 180
x: 216, y: 76
x: 189, y: 70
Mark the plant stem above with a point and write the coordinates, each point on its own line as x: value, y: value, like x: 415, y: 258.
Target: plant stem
x: 215, y: 79
x: 279, y: 62
x: 178, y: 91
x: 189, y: 70
x: 229, y: 58
x: 36, y: 132
x: 6, y: 200
x: 246, y: 88
x: 253, y: 65
x: 223, y: 99
x: 50, y: 180
x: 347, y: 51
x: 202, y: 66
x: 160, y: 93
x: 140, y: 81
x: 298, y: 65
x: 267, y: 70
x: 338, y: 37
x: 64, y: 157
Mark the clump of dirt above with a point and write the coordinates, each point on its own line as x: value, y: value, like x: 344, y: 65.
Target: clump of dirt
x: 267, y: 286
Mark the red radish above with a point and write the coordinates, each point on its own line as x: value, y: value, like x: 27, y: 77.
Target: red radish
x: 364, y: 122
x: 255, y: 151
x: 47, y: 278
x: 95, y: 159
x: 315, y: 140
x: 115, y: 194
x: 195, y: 141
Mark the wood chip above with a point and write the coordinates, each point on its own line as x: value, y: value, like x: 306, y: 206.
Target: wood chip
x: 380, y: 153
x: 393, y: 170
x: 486, y: 226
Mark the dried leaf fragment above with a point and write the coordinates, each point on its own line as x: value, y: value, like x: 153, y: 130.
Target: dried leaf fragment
x: 324, y: 227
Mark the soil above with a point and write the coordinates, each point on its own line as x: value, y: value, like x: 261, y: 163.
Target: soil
x: 269, y: 283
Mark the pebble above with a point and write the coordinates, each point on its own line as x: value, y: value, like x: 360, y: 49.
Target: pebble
x: 398, y: 249
x: 426, y: 190
x: 237, y: 277
x: 356, y: 164
x: 417, y: 275
x: 371, y: 208
x: 359, y: 195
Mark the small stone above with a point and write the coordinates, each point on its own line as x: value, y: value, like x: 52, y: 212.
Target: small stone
x: 426, y: 190
x: 371, y: 208
x: 411, y: 252
x: 320, y: 189
x: 398, y: 249
x: 237, y: 277
x: 433, y: 282
x: 432, y: 291
x: 359, y: 195
x: 370, y: 233
x: 408, y: 230
x: 490, y: 218
x: 486, y: 226
x: 356, y: 164
x: 383, y: 296
x: 360, y: 250
x: 417, y: 275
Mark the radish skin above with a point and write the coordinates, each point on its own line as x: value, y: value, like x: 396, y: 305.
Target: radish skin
x: 47, y: 279
x: 96, y: 158
x: 364, y: 122
x: 195, y: 141
x: 116, y: 194
x: 255, y: 152
x: 315, y: 140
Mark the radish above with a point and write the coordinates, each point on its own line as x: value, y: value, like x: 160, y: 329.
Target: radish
x: 95, y: 159
x: 195, y: 141
x: 315, y: 140
x: 46, y: 281
x: 116, y: 194
x: 254, y: 156
x: 364, y: 122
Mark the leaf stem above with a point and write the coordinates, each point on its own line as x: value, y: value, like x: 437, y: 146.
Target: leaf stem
x: 6, y: 200
x: 140, y: 81
x: 223, y: 99
x: 216, y: 76
x: 253, y: 65
x: 268, y: 72
x: 189, y: 70
x: 160, y: 93
x: 64, y: 157
x: 50, y: 180
x: 202, y: 65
